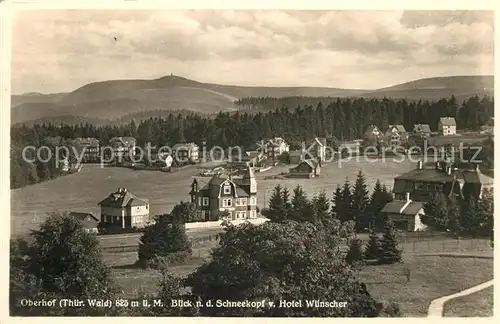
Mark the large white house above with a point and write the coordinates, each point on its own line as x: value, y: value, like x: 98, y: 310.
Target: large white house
x: 447, y: 126
x: 125, y: 210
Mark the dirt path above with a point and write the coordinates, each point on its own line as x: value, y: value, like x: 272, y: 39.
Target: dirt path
x: 437, y: 305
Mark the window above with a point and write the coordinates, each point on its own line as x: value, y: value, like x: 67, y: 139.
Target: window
x: 240, y: 215
x: 252, y: 214
x: 199, y: 201
x: 205, y: 201
x: 439, y: 187
x: 429, y: 187
x: 227, y: 189
x: 253, y: 201
x: 227, y: 202
x: 241, y: 202
x: 419, y: 186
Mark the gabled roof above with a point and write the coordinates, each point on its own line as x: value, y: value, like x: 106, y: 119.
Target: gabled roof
x: 395, y: 206
x: 370, y: 129
x: 448, y: 121
x: 400, y: 128
x: 86, y: 141
x: 126, y: 141
x: 276, y: 141
x: 185, y: 146
x: 123, y: 198
x: 421, y: 128
x: 312, y: 163
x: 83, y: 216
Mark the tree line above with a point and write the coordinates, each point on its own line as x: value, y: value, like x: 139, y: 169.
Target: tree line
x: 344, y: 119
x: 350, y: 203
x: 461, y: 215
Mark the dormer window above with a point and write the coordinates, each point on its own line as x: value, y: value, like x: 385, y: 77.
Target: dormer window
x: 227, y: 189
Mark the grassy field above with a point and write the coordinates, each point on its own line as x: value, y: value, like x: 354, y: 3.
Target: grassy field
x: 385, y: 282
x: 82, y: 191
x: 132, y: 280
x: 479, y: 304
x: 431, y: 277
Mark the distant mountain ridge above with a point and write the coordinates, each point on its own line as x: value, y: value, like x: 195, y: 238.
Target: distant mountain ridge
x: 110, y: 100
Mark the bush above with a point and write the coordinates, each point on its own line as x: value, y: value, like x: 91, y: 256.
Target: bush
x: 391, y: 309
x: 163, y: 240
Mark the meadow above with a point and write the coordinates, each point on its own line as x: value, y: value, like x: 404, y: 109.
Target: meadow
x: 82, y: 191
x: 479, y: 304
x: 428, y: 259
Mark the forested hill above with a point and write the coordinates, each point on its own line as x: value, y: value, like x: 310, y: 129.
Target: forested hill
x: 346, y: 119
x: 112, y: 100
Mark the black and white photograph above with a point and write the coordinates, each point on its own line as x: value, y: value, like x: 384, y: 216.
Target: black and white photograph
x: 251, y: 163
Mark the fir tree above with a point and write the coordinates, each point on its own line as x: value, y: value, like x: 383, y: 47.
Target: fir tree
x: 372, y: 251
x: 360, y: 201
x: 300, y: 206
x: 276, y: 211
x: 355, y: 253
x: 389, y: 251
x: 321, y: 207
x: 344, y: 211
x: 454, y: 214
x: 436, y: 212
x: 380, y: 197
x: 337, y: 202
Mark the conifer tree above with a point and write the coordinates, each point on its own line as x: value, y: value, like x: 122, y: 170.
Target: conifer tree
x: 276, y: 211
x: 355, y: 253
x: 321, y: 207
x: 344, y: 212
x: 360, y: 201
x: 436, y: 212
x: 454, y: 214
x: 372, y: 251
x: 389, y: 251
x: 337, y: 202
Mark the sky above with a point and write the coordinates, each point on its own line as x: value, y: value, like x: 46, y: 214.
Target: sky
x: 60, y: 51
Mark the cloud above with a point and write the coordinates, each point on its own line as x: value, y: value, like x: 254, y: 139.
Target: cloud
x: 62, y: 50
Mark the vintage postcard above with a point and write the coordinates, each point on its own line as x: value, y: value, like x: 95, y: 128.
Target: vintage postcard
x: 251, y: 162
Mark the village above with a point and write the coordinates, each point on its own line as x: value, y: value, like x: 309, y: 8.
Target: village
x: 251, y: 163
x: 231, y: 192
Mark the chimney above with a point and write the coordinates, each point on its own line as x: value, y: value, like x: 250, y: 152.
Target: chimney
x: 124, y: 189
x: 476, y: 167
x: 419, y: 165
x: 408, y: 201
x: 119, y: 190
x: 448, y: 170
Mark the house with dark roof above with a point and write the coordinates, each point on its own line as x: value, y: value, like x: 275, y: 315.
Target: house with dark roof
x: 225, y: 193
x: 186, y: 153
x: 124, y: 210
x: 272, y: 147
x: 441, y: 176
x: 88, y: 148
x: 447, y: 126
x: 123, y: 147
x: 306, y: 169
x: 396, y: 137
x: 422, y: 129
x: 405, y: 214
x: 88, y: 220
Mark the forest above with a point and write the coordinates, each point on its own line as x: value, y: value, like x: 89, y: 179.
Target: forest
x: 343, y: 118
